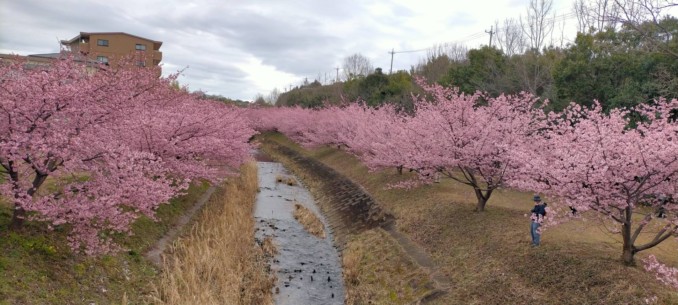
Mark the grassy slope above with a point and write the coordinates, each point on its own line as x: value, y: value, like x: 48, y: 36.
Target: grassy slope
x: 38, y: 267
x: 487, y: 255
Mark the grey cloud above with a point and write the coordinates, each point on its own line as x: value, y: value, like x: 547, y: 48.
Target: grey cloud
x: 291, y: 45
x: 299, y: 37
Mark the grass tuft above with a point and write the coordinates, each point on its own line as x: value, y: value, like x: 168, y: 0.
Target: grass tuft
x: 309, y: 220
x: 289, y: 180
x: 269, y: 248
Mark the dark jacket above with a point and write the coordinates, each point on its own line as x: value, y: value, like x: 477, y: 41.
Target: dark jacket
x: 539, y: 209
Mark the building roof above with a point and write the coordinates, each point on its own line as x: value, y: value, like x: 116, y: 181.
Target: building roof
x: 156, y: 44
x: 13, y: 57
x: 46, y: 55
x: 46, y: 58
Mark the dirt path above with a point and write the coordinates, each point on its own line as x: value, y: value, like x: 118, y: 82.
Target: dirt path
x: 155, y: 253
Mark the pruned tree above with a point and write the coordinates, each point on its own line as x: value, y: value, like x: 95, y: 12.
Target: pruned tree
x: 272, y: 97
x: 259, y: 99
x: 533, y: 71
x: 596, y: 15
x: 536, y: 26
x: 356, y: 65
x: 510, y: 37
x: 438, y: 60
x: 453, y: 51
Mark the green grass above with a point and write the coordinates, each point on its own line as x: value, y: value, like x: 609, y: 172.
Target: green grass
x: 487, y: 255
x: 37, y: 267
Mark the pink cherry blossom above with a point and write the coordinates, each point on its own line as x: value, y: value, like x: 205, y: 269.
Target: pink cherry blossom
x: 115, y: 142
x: 598, y: 164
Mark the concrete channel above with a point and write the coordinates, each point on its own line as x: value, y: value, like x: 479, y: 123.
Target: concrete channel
x: 308, y: 268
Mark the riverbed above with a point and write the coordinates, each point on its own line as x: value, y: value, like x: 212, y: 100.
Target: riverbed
x: 308, y: 268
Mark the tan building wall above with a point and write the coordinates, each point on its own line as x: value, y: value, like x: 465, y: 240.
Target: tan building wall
x: 115, y: 46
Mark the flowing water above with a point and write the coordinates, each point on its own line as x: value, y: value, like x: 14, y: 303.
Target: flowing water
x: 308, y: 268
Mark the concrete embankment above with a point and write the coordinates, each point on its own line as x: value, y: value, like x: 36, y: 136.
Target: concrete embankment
x: 346, y: 205
x: 350, y: 210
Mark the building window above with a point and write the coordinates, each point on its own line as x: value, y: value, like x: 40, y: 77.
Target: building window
x: 102, y: 59
x: 141, y: 63
x: 102, y: 42
x: 140, y: 47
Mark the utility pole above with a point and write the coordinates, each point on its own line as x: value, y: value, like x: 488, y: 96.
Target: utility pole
x: 390, y: 71
x: 491, y: 32
x: 337, y: 68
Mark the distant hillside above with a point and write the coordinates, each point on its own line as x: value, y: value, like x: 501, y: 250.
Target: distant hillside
x: 374, y: 89
x: 225, y: 100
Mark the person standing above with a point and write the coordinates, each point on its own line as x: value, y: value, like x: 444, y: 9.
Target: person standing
x: 537, y: 217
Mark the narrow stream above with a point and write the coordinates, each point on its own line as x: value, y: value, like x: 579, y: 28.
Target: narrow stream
x: 308, y: 268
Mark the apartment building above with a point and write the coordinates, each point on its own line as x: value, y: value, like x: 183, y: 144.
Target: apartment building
x: 107, y: 47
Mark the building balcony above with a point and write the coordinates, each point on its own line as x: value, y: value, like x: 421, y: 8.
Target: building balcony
x: 83, y: 47
x: 156, y: 55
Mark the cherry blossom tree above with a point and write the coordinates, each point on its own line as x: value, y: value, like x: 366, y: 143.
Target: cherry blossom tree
x: 463, y: 138
x: 379, y: 138
x: 93, y: 148
x: 597, y: 162
x: 294, y: 122
x: 368, y: 133
x: 459, y: 136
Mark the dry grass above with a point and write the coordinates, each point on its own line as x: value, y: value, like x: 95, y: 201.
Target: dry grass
x: 269, y: 248
x: 219, y: 262
x: 289, y: 180
x: 487, y: 255
x: 376, y: 271
x: 309, y: 220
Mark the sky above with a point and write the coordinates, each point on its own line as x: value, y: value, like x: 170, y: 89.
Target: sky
x: 238, y: 49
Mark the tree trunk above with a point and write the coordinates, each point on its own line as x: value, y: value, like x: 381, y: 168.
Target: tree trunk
x: 18, y: 217
x: 480, y: 206
x: 482, y: 199
x: 19, y: 214
x: 400, y: 169
x: 629, y: 250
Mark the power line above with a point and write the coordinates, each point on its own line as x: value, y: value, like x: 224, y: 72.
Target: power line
x: 477, y: 35
x: 491, y: 33
x: 473, y: 36
x: 411, y: 51
x: 392, y: 53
